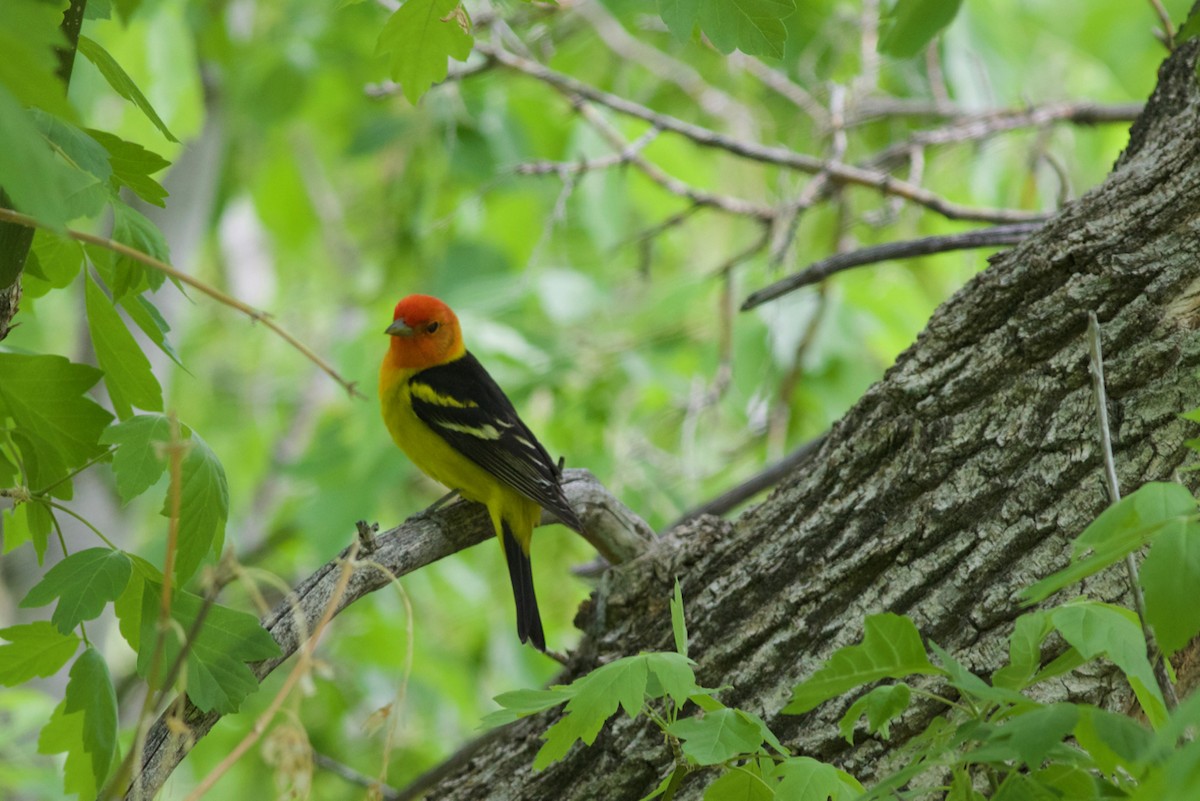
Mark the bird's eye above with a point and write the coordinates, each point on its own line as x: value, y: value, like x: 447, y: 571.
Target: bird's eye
x: 433, y: 327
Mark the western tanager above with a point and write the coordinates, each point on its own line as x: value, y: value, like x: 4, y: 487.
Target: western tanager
x: 455, y: 423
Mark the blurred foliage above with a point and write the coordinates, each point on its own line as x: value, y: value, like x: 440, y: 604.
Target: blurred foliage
x: 304, y: 184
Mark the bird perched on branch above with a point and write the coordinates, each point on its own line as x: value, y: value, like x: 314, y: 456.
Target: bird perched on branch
x: 455, y: 423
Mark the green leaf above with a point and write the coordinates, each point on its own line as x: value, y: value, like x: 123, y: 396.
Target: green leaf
x: 1169, y: 577
x: 34, y: 649
x: 912, y: 24
x: 738, y: 785
x: 1113, y: 741
x: 1097, y: 629
x: 127, y: 372
x: 522, y: 703
x: 1119, y: 530
x: 83, y: 583
x: 678, y: 623
x: 672, y: 676
x: 596, y: 698
x: 36, y: 180
x: 121, y: 83
x: 128, y: 607
x: 806, y: 779
x: 971, y: 685
x: 715, y: 737
x: 29, y: 33
x: 53, y: 263
x: 217, y: 676
x: 131, y: 228
x: 60, y: 427
x: 28, y: 522
x: 891, y: 649
x: 132, y: 165
x: 138, y: 462
x: 421, y: 35
x: 127, y: 8
x: 1031, y: 736
x: 882, y: 705
x: 90, y: 693
x: 147, y: 317
x: 73, y: 142
x: 1024, y: 651
x: 753, y: 26
x: 680, y: 17
x: 64, y: 734
x: 203, y: 508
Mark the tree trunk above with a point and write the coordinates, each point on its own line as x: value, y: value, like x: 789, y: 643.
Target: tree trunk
x: 959, y: 478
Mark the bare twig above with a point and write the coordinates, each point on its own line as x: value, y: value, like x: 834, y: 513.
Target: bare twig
x: 755, y: 484
x: 972, y: 127
x: 612, y: 528
x: 1096, y: 367
x: 257, y: 315
x: 698, y: 197
x: 754, y: 151
x: 386, y: 792
x: 1164, y: 19
x: 818, y: 271
x: 779, y: 83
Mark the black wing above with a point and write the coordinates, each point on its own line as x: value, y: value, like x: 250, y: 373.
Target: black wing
x: 465, y: 406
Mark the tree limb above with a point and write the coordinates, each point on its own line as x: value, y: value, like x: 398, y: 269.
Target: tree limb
x: 820, y: 270
x: 616, y: 532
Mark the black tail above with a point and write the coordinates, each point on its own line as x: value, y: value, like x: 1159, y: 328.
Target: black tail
x: 529, y: 622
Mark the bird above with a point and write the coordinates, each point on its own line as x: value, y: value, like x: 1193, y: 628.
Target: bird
x: 455, y: 423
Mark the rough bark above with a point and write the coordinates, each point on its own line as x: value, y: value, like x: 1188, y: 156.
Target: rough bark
x: 959, y: 478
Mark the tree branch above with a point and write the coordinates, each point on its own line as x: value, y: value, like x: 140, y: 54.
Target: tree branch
x: 820, y: 270
x: 615, y: 531
x: 754, y: 151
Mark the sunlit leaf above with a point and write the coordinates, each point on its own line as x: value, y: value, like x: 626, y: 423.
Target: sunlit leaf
x: 421, y: 35
x: 83, y: 583
x: 218, y: 678
x: 912, y: 24
x: 127, y: 372
x: 120, y: 82
x: 203, y: 507
x: 1169, y: 576
x: 34, y: 649
x: 891, y: 648
x: 1098, y: 629
x: 138, y: 461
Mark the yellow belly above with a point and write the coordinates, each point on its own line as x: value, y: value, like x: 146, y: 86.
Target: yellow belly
x: 441, y: 462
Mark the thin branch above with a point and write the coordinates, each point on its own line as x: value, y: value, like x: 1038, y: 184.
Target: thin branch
x: 779, y: 83
x: 1164, y: 19
x: 765, y: 479
x: 754, y: 151
x: 973, y: 127
x: 612, y: 528
x: 1096, y: 367
x: 565, y: 168
x: 385, y: 792
x: 698, y: 197
x: 8, y: 215
x: 818, y: 271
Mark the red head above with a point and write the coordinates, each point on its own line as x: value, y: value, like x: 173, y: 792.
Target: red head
x: 424, y: 333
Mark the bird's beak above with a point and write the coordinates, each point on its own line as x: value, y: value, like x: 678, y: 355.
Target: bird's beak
x: 399, y: 329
